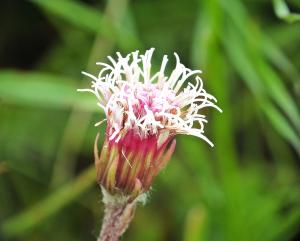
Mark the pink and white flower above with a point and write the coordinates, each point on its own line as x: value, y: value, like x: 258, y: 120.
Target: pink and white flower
x: 144, y: 111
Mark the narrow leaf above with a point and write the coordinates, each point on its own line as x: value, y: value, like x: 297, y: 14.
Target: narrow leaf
x: 50, y: 205
x: 282, y: 11
x: 42, y: 90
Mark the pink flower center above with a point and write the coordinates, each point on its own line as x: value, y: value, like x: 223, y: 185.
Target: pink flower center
x: 142, y: 105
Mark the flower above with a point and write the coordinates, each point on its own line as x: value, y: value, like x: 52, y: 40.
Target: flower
x: 144, y: 112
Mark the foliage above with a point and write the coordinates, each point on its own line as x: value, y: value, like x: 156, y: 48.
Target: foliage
x: 246, y: 188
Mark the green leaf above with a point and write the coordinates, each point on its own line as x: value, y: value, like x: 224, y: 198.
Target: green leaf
x: 278, y: 92
x: 268, y: 46
x: 76, y: 13
x: 87, y: 18
x: 276, y: 56
x: 245, y: 67
x: 282, y: 11
x: 42, y: 90
x: 281, y: 125
x: 50, y: 205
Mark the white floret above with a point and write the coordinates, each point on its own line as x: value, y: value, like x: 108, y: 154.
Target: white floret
x: 133, y: 98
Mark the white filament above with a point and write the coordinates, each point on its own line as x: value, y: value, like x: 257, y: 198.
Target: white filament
x: 132, y: 99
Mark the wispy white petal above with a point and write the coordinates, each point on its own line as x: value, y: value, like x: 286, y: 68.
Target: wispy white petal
x: 150, y: 103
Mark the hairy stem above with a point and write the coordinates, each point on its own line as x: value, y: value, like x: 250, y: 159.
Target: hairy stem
x: 118, y: 213
x: 117, y: 218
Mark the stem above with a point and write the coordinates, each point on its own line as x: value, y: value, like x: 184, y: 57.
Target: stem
x: 117, y: 217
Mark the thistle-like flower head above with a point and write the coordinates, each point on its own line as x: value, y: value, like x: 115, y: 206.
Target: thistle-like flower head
x: 144, y: 111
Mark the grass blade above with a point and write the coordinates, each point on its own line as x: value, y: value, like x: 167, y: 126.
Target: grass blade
x: 42, y: 90
x: 50, y: 205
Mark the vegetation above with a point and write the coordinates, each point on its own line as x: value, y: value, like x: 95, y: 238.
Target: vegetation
x: 245, y: 188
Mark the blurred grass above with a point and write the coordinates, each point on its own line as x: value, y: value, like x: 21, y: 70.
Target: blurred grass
x: 52, y: 204
x: 51, y: 91
x: 246, y: 188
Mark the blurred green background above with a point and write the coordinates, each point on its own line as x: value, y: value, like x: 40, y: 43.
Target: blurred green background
x: 246, y: 188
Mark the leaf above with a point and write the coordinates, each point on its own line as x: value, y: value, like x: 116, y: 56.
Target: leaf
x: 276, y: 56
x: 42, y: 90
x: 50, y: 205
x: 282, y: 11
x: 271, y: 50
x: 76, y: 13
x: 244, y: 66
x: 91, y: 19
x: 281, y: 125
x: 277, y: 90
